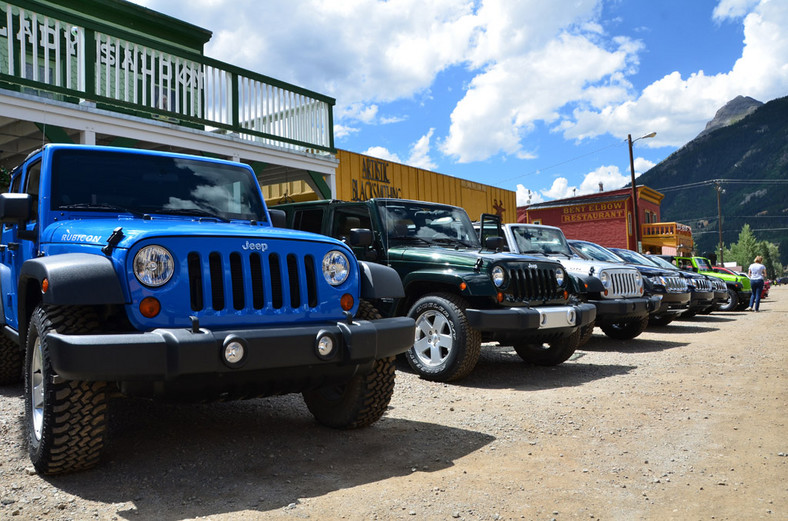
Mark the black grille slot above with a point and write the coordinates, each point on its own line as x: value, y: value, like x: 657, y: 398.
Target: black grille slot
x: 258, y: 290
x: 311, y: 281
x: 292, y: 273
x: 195, y: 281
x: 276, y: 280
x: 237, y: 280
x: 217, y: 280
x: 533, y: 284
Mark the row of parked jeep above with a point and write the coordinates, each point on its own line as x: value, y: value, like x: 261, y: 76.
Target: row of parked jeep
x: 147, y: 274
x: 523, y: 285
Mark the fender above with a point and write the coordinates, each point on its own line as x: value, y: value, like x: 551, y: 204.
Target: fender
x: 589, y: 283
x: 74, y: 279
x: 378, y: 281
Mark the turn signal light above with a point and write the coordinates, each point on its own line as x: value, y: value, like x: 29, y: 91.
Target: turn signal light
x: 45, y: 286
x: 463, y: 286
x: 150, y: 307
x: 346, y: 301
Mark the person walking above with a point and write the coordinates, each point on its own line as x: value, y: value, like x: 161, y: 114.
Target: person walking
x: 757, y: 275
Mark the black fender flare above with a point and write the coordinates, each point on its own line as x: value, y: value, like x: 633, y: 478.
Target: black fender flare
x: 74, y: 279
x: 589, y: 283
x: 379, y: 281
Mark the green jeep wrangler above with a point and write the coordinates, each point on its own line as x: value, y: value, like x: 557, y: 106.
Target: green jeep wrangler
x: 739, y: 290
x: 460, y: 293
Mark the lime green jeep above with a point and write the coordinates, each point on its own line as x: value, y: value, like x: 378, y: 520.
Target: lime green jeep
x: 739, y: 289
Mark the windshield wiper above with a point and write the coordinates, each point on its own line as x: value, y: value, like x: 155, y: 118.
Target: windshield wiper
x: 197, y: 212
x: 410, y: 238
x: 450, y: 240
x: 101, y: 206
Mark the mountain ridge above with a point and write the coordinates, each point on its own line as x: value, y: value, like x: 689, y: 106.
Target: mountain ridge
x: 745, y: 149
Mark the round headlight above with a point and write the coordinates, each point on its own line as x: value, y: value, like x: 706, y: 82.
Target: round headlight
x: 559, y: 276
x: 498, y: 276
x: 603, y: 279
x: 638, y: 279
x: 336, y: 267
x: 153, y: 266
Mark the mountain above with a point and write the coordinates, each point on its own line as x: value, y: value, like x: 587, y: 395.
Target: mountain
x: 731, y: 112
x: 745, y: 147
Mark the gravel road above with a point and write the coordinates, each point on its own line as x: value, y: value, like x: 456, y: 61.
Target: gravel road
x: 685, y: 422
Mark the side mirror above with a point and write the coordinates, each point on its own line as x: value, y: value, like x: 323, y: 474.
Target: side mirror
x: 360, y: 237
x: 494, y: 243
x: 15, y: 208
x: 278, y: 218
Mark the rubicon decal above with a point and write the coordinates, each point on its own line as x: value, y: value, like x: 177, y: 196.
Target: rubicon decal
x: 259, y: 246
x: 80, y: 237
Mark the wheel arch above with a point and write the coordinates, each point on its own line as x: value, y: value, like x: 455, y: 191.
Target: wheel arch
x: 75, y: 279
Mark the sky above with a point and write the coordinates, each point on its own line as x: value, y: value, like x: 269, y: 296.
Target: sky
x: 536, y: 96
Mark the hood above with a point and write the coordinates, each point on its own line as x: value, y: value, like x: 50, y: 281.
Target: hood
x: 444, y: 257
x: 592, y: 267
x: 97, y: 231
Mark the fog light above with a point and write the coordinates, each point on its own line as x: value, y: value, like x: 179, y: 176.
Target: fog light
x: 325, y: 345
x: 233, y: 352
x: 571, y: 316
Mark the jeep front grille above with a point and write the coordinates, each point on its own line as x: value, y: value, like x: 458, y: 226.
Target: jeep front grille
x: 675, y: 285
x: 623, y: 283
x: 702, y: 285
x: 251, y: 281
x: 533, y: 284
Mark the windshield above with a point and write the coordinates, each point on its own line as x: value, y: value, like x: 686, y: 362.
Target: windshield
x: 414, y: 222
x: 594, y: 251
x: 97, y: 180
x: 530, y: 239
x: 662, y: 263
x: 703, y: 264
x: 633, y: 257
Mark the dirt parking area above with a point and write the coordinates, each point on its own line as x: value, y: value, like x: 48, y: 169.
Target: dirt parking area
x: 685, y: 422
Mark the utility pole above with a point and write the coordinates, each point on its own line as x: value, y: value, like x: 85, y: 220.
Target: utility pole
x: 635, y: 189
x: 720, y: 190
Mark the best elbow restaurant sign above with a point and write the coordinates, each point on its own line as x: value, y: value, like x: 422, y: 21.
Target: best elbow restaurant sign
x: 593, y: 212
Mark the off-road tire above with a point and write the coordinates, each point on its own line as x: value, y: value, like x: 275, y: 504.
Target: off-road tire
x: 732, y: 303
x: 557, y: 352
x: 71, y: 415
x: 442, y: 316
x: 11, y: 362
x: 626, y: 330
x: 362, y: 400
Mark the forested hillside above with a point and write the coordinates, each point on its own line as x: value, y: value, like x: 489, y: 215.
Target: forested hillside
x: 750, y: 158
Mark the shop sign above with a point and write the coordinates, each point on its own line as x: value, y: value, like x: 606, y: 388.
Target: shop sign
x: 593, y: 212
x: 374, y: 181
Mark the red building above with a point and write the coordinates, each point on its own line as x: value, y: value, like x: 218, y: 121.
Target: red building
x: 606, y: 218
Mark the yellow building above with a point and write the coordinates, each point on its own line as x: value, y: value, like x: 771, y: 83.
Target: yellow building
x: 359, y: 177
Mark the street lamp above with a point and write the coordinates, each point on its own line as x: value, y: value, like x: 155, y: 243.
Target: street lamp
x: 634, y: 188
x: 720, y: 190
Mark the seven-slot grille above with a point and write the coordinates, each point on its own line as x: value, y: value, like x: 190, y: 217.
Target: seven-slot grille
x: 702, y: 284
x: 532, y: 283
x: 675, y: 285
x: 623, y: 283
x: 218, y: 281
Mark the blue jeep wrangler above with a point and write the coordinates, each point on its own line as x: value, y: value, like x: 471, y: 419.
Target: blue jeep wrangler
x: 161, y: 275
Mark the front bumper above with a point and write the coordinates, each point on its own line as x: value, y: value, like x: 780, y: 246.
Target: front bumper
x: 701, y: 300
x: 673, y: 303
x: 616, y: 310
x: 537, y: 319
x: 167, y: 354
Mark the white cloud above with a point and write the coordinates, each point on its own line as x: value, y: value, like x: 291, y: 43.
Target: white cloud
x: 678, y: 108
x: 420, y: 153
x: 382, y: 153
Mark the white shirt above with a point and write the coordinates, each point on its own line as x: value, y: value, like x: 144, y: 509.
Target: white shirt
x: 757, y: 271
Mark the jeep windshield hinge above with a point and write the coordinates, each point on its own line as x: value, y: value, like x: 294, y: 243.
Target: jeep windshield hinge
x: 114, y: 239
